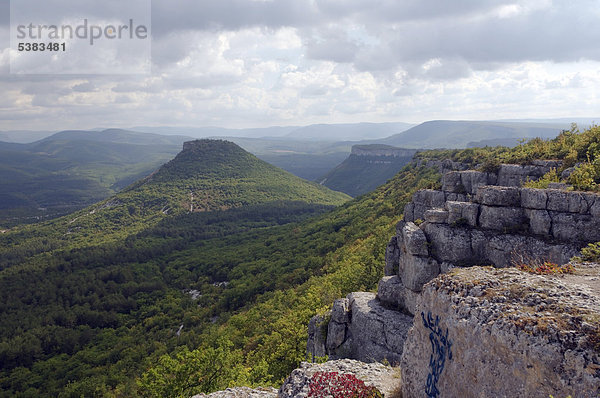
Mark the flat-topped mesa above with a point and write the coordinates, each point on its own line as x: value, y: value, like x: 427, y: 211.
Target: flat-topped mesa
x: 382, y: 150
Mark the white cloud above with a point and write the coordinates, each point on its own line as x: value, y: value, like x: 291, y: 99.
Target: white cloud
x: 237, y: 63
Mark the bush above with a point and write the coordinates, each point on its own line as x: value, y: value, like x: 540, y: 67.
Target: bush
x: 333, y: 384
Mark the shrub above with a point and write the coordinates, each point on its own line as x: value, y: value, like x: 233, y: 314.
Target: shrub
x: 333, y: 384
x: 591, y: 253
x: 549, y: 177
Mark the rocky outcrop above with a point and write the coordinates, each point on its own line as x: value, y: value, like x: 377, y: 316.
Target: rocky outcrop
x: 484, y: 225
x: 242, y: 392
x: 361, y: 328
x: 474, y: 327
x: 384, y: 378
x: 484, y: 332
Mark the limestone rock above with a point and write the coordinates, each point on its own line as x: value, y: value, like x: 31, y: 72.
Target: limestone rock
x: 384, y: 378
x: 416, y: 271
x: 242, y: 392
x: 394, y: 295
x: 413, y: 240
x: 506, y: 219
x: 392, y: 253
x: 315, y: 344
x: 498, y: 196
x: 533, y: 198
x: 374, y: 332
x: 540, y: 222
x: 438, y: 216
x: 483, y: 332
x: 464, y: 213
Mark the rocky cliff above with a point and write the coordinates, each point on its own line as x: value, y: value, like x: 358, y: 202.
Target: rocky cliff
x: 474, y: 328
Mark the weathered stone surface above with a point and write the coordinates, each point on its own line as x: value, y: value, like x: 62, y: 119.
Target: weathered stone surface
x: 340, y: 311
x: 424, y: 200
x: 242, y: 392
x: 374, y: 332
x: 506, y: 219
x: 394, y: 295
x: 437, y: 216
x: 513, y: 175
x: 540, y: 222
x: 456, y: 197
x: 448, y: 243
x: 416, y: 271
x: 466, y: 182
x: 557, y: 200
x: 503, y: 333
x: 384, y: 378
x: 414, y: 241
x: 336, y: 335
x: 429, y: 198
x: 464, y: 213
x: 532, y: 198
x: 498, y: 196
x: 409, y: 212
x: 389, y: 292
x: 315, y: 344
x: 392, y: 253
x: 451, y: 182
x: 575, y: 227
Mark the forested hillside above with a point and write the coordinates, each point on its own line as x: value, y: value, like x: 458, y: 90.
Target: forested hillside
x: 139, y: 296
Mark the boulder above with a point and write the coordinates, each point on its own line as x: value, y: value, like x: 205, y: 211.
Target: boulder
x: 242, y: 392
x: 315, y: 344
x: 447, y: 243
x: 482, y: 332
x: 384, y: 378
x: 415, y: 271
x: 392, y: 253
x: 377, y: 333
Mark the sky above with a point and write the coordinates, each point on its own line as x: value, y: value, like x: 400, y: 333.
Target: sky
x: 258, y: 63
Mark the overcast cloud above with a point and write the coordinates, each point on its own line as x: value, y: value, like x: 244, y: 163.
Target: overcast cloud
x: 253, y: 63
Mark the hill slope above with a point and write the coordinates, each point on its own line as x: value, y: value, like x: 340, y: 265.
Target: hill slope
x: 72, y: 169
x: 459, y: 134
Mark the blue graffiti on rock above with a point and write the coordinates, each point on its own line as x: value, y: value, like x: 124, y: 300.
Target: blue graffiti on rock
x: 441, y: 349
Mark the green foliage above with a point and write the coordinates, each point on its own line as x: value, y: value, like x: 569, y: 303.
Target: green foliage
x: 544, y: 182
x: 358, y: 175
x: 586, y: 177
x: 591, y: 252
x: 186, y: 373
x: 111, y: 282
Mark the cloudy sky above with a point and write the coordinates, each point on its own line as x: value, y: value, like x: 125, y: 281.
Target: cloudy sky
x: 254, y: 63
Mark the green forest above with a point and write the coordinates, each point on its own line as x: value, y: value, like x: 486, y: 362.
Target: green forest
x: 204, y: 275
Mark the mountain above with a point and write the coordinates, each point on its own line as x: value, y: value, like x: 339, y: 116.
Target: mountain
x: 314, y: 132
x: 458, y: 134
x: 107, y: 275
x: 347, y: 132
x: 367, y: 167
x: 23, y: 136
x: 72, y: 169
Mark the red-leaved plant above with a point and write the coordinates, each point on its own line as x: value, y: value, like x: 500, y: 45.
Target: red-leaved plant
x: 335, y: 385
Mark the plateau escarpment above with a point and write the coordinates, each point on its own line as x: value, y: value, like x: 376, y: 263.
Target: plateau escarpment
x: 474, y: 328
